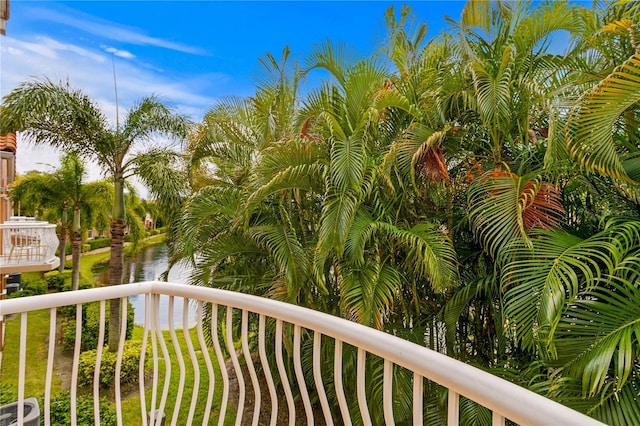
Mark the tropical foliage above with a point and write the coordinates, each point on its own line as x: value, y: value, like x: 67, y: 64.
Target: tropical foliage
x: 477, y: 192
x: 61, y: 116
x: 450, y: 190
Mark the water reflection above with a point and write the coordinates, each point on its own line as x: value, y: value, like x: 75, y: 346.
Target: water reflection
x: 148, y: 265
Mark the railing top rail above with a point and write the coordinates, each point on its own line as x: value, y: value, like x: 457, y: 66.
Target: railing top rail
x: 508, y: 399
x: 30, y: 225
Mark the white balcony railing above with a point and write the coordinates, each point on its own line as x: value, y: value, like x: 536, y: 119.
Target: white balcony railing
x: 27, y: 245
x: 300, y: 338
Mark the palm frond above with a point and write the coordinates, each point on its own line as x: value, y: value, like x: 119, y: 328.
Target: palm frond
x: 599, y: 334
x: 590, y: 126
x: 54, y: 114
x: 504, y: 207
x: 540, y: 286
x: 368, y: 291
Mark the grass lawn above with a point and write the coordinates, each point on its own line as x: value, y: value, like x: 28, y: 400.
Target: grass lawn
x: 87, y: 262
x: 37, y: 346
x: 131, y: 405
x: 37, y: 350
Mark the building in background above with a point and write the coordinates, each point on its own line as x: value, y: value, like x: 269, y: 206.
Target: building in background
x: 4, y: 16
x: 25, y: 244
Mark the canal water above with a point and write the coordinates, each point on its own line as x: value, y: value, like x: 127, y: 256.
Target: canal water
x: 149, y: 265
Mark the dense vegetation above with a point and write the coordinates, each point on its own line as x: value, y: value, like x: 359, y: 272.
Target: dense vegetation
x: 477, y: 192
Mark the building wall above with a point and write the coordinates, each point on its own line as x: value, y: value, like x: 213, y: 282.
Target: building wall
x: 7, y: 172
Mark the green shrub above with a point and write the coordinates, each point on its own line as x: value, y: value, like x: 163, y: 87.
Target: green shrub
x: 91, y: 326
x: 82, y: 285
x: 68, y: 264
x: 31, y: 287
x: 56, y: 280
x: 8, y: 394
x: 61, y: 407
x: 99, y: 243
x: 128, y: 370
x: 85, y: 248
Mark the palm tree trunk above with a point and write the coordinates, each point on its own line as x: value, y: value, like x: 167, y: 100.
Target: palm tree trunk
x: 76, y: 248
x: 62, y: 248
x: 116, y: 261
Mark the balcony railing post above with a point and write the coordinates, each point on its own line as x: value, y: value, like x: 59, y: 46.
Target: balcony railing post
x: 453, y: 409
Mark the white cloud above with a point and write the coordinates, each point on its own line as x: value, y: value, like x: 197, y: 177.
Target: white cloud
x: 91, y: 71
x: 119, y: 53
x: 109, y: 30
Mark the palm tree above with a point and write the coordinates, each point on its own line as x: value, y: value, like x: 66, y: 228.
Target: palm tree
x: 57, y: 115
x: 81, y: 197
x: 54, y: 194
x: 44, y: 195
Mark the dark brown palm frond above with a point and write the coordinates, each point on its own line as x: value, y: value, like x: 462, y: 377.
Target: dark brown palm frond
x: 542, y: 206
x: 432, y: 165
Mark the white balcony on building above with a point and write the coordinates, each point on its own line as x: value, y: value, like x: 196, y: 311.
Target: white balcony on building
x: 27, y: 245
x: 269, y: 349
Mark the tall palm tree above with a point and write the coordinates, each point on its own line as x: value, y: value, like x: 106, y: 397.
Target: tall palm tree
x: 81, y: 197
x: 63, y: 117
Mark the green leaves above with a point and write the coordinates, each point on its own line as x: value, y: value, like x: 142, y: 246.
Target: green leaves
x: 504, y: 207
x: 592, y: 121
x: 598, y: 337
x: 54, y: 114
x: 542, y: 280
x: 368, y: 291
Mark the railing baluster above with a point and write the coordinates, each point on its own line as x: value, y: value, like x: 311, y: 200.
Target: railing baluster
x: 167, y: 363
x: 22, y: 366
x: 361, y: 387
x: 236, y: 365
x: 257, y: 397
x: 387, y: 392
x: 424, y: 364
x: 283, y: 374
x: 180, y: 359
x: 96, y: 372
x: 49, y: 377
x: 194, y: 360
x: 317, y: 376
x: 267, y: 370
x: 418, y: 391
x: 74, y: 367
x: 123, y: 335
x: 221, y: 363
x: 453, y: 411
x: 497, y: 419
x: 302, y: 385
x: 141, y: 365
x: 207, y: 360
x: 153, y: 323
x: 337, y: 372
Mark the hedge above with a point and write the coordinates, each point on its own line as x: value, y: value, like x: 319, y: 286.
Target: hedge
x: 56, y: 279
x: 30, y: 287
x: 90, y: 326
x: 99, y: 243
x: 61, y: 409
x: 128, y: 370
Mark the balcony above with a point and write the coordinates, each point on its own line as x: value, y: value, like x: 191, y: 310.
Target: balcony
x: 27, y: 245
x: 271, y: 348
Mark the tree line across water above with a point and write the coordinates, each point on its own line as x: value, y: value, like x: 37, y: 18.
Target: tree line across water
x: 476, y: 192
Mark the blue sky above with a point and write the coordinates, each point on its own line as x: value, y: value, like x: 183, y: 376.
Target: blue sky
x: 188, y: 53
